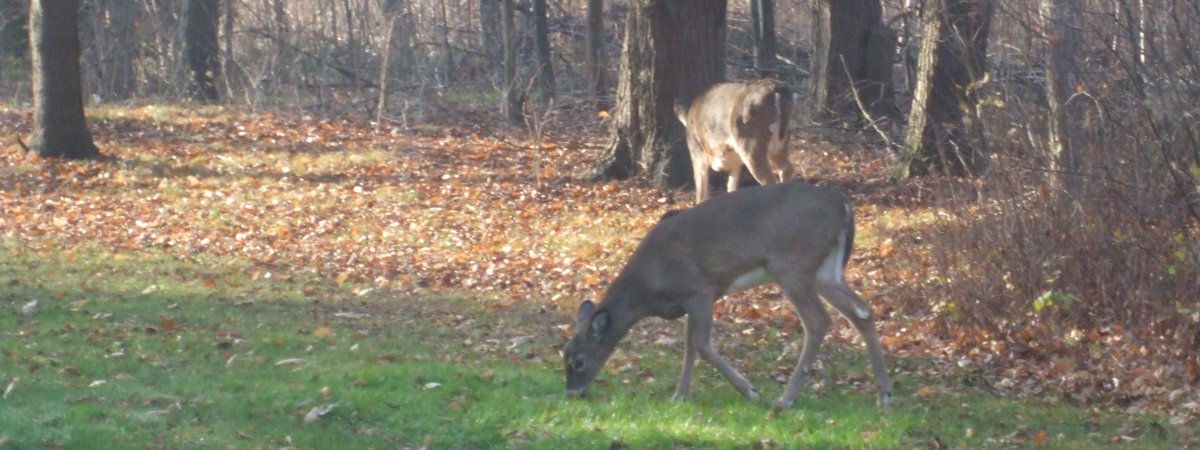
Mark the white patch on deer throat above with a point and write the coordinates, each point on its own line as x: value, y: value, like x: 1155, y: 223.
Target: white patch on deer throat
x: 753, y: 278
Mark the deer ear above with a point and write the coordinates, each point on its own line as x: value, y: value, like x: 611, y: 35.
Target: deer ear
x: 586, y: 309
x: 681, y: 110
x: 601, y: 321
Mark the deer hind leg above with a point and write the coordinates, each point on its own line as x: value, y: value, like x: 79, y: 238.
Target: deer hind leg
x: 858, y: 312
x: 699, y: 335
x: 832, y: 286
x: 816, y: 324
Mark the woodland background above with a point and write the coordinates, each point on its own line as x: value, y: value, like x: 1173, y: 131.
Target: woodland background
x: 1077, y: 278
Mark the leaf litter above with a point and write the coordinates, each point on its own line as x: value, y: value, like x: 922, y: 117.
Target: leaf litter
x: 470, y: 205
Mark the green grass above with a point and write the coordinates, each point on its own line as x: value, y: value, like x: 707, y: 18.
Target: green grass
x: 143, y: 349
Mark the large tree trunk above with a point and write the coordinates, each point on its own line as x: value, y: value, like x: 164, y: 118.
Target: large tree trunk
x: 674, y: 49
x: 1062, y: 21
x: 852, y: 50
x: 597, y: 85
x: 541, y: 27
x: 762, y: 22
x: 59, y: 127
x: 952, y: 62
x: 198, y: 27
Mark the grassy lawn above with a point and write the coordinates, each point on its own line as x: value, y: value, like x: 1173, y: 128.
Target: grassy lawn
x: 140, y: 348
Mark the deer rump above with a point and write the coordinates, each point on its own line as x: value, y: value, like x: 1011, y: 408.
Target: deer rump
x: 736, y: 124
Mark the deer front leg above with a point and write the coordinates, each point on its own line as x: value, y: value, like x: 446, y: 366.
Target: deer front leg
x: 754, y: 153
x: 735, y: 178
x: 700, y: 177
x: 684, y: 388
x: 699, y: 332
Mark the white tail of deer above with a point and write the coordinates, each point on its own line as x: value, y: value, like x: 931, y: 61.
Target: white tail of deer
x: 793, y: 234
x: 736, y: 124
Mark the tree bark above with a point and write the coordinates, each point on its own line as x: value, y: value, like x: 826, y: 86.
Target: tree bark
x: 762, y: 22
x: 198, y: 23
x: 1062, y: 21
x: 541, y: 26
x: 943, y: 131
x: 597, y: 84
x: 510, y: 105
x: 491, y: 32
x: 122, y: 47
x: 59, y: 126
x: 674, y: 49
x: 852, y: 51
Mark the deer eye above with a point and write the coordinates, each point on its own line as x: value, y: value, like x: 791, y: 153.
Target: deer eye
x: 578, y: 364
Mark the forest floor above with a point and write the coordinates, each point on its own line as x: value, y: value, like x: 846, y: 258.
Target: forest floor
x: 347, y: 226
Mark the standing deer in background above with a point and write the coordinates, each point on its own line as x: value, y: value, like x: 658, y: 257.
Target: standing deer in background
x: 735, y: 124
x: 793, y: 234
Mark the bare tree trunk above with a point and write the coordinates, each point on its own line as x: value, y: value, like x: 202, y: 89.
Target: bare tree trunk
x: 198, y: 28
x: 852, y: 50
x: 597, y: 84
x: 229, y: 65
x: 1061, y: 18
x: 389, y: 14
x: 447, y: 50
x: 951, y: 64
x: 117, y: 26
x: 542, y: 34
x: 491, y: 31
x: 59, y: 127
x: 762, y: 22
x: 673, y: 50
x: 510, y: 105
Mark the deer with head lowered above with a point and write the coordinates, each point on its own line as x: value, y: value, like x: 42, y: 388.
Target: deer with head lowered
x: 736, y: 124
x: 792, y: 234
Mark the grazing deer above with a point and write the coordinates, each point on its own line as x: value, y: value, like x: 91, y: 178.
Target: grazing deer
x: 735, y: 124
x: 793, y: 234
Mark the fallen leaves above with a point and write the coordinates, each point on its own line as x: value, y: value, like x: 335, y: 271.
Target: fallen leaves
x: 465, y: 207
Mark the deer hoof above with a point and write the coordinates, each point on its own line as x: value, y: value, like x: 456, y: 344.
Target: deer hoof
x: 781, y: 404
x: 752, y: 395
x: 885, y: 400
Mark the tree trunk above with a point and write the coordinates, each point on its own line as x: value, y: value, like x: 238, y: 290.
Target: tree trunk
x: 597, y: 85
x: 541, y: 27
x: 390, y: 16
x: 762, y: 22
x: 674, y: 49
x: 447, y: 50
x: 59, y: 127
x: 491, y: 32
x: 510, y: 105
x: 943, y: 131
x: 118, y: 29
x: 1062, y: 20
x: 852, y: 50
x: 198, y: 23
